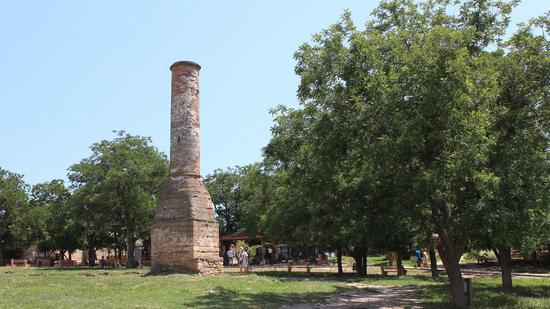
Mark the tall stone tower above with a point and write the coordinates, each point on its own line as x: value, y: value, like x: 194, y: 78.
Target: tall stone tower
x: 185, y: 235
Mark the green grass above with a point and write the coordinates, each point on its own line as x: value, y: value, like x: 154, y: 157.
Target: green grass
x: 528, y: 293
x: 470, y: 257
x: 377, y: 260
x: 83, y: 288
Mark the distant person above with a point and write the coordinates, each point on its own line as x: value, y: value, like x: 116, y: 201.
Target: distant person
x: 418, y: 254
x: 239, y: 256
x: 230, y: 255
x: 244, y: 262
x: 425, y: 259
x: 102, y: 262
x: 108, y: 262
x: 270, y: 253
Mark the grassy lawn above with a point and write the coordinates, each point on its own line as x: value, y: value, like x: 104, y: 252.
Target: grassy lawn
x: 83, y: 288
x: 528, y: 293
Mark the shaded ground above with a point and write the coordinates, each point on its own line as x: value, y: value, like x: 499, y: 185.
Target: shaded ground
x: 370, y: 296
x: 494, y: 270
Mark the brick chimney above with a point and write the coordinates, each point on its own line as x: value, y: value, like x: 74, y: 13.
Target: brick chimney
x: 185, y: 235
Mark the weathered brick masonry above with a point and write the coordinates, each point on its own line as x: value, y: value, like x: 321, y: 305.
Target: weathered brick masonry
x: 185, y: 235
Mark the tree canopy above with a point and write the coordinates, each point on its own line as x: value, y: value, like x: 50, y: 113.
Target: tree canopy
x: 116, y: 189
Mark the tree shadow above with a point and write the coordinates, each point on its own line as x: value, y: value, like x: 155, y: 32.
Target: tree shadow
x: 303, y: 275
x: 157, y: 273
x: 349, y: 277
x: 531, y: 269
x: 484, y: 295
x: 225, y: 298
x: 64, y: 269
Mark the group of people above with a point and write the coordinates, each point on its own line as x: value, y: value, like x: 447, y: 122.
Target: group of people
x: 241, y: 259
x: 421, y: 259
x: 107, y: 263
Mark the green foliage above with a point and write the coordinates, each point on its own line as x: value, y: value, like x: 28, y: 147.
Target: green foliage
x: 520, y: 203
x: 16, y: 221
x: 414, y: 126
x: 240, y: 196
x: 116, y: 189
x: 61, y: 228
x: 225, y: 191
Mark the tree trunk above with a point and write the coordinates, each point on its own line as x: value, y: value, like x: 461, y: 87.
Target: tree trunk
x: 497, y: 254
x: 130, y: 261
x: 338, y: 259
x: 400, y: 269
x: 505, y: 261
x: 1, y: 258
x: 433, y: 262
x: 91, y: 257
x: 535, y: 258
x: 85, y: 256
x: 70, y: 255
x: 365, y: 262
x: 62, y: 255
x: 360, y: 254
x: 358, y: 263
x: 450, y: 258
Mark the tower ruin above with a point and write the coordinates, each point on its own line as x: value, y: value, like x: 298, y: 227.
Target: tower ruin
x: 185, y: 236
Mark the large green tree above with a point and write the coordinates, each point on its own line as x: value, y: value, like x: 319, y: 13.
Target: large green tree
x: 409, y: 101
x: 311, y: 157
x: 225, y: 190
x: 61, y: 229
x: 240, y: 196
x: 117, y: 188
x: 519, y: 215
x: 13, y: 203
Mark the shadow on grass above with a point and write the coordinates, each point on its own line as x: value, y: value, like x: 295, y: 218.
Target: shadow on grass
x: 531, y: 269
x: 68, y: 269
x: 225, y: 298
x: 485, y: 295
x: 348, y: 277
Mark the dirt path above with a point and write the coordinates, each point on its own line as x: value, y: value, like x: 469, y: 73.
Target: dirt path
x: 370, y: 296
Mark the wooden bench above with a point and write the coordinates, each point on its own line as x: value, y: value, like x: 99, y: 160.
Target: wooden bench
x: 144, y: 263
x: 42, y: 262
x: 65, y: 263
x: 19, y: 263
x: 387, y: 269
x: 300, y: 264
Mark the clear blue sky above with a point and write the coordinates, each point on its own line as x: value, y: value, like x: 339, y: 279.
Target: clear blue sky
x: 73, y: 71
